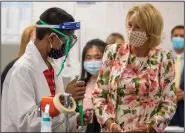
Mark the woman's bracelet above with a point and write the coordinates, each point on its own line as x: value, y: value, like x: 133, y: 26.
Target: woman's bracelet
x: 111, y: 125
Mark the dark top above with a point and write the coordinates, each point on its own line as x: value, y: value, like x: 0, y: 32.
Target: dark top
x: 5, y: 71
x: 178, y: 118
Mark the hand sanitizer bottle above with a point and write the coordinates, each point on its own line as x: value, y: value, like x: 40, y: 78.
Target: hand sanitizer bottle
x: 46, y: 120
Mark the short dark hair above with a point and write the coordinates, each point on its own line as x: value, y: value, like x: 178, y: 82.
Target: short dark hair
x: 53, y: 16
x: 94, y: 42
x: 177, y: 27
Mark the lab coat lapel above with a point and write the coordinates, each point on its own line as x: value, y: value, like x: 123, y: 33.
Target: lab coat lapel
x: 58, y: 79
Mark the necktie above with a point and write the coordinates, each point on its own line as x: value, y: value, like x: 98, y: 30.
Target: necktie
x: 178, y: 71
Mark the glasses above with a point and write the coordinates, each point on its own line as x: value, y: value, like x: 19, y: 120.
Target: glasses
x: 68, y: 46
x: 73, y: 40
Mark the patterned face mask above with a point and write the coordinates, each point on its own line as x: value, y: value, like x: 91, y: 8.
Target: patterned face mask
x: 137, y: 38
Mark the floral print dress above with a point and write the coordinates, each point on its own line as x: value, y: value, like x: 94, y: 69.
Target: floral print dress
x: 135, y: 91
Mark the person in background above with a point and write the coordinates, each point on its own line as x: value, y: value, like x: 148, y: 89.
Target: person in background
x: 34, y: 76
x: 115, y: 38
x: 177, y: 37
x: 91, y: 61
x: 27, y: 35
x: 135, y: 89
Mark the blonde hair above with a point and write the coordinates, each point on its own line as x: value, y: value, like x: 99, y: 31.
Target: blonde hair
x: 112, y: 38
x: 149, y: 20
x: 25, y: 38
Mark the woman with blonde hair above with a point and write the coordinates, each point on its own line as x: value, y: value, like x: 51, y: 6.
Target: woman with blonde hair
x: 115, y: 38
x: 135, y: 89
x: 27, y: 35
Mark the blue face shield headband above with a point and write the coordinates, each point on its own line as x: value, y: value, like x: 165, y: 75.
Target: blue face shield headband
x: 69, y: 40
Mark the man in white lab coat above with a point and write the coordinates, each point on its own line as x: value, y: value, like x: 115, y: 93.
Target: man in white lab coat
x: 32, y: 77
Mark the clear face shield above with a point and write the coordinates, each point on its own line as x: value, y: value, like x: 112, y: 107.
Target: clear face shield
x: 69, y: 40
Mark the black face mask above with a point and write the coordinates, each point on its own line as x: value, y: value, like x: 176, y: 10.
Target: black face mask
x: 56, y: 53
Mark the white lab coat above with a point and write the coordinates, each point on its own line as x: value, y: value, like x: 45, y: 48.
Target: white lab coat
x: 23, y: 89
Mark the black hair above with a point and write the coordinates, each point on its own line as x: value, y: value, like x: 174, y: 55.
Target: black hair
x: 53, y: 16
x: 177, y: 27
x: 101, y: 46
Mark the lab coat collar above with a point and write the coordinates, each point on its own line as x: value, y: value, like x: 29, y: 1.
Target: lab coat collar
x: 31, y: 49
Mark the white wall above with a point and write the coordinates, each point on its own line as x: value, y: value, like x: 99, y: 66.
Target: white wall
x: 99, y: 19
x: 15, y: 16
x: 102, y: 18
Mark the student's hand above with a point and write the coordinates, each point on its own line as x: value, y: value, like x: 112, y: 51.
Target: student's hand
x: 76, y: 89
x: 180, y: 94
x: 87, y: 114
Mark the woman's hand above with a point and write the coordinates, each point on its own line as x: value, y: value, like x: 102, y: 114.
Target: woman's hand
x: 116, y: 128
x: 142, y: 129
x: 111, y: 125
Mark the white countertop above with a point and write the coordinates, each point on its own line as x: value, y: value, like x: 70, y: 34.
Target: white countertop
x: 174, y: 129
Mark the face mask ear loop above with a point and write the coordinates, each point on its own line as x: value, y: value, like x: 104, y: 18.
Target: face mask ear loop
x: 50, y: 42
